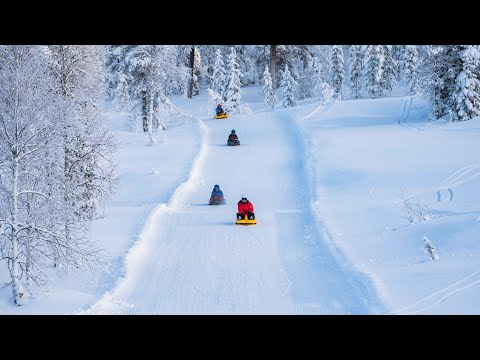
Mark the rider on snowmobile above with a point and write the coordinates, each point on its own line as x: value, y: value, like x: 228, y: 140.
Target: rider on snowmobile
x: 245, y: 207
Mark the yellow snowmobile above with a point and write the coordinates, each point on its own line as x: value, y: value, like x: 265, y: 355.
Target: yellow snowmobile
x: 246, y: 221
x: 220, y: 113
x: 222, y: 116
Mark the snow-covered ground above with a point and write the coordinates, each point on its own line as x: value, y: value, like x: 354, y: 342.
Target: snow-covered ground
x: 148, y: 177
x: 362, y: 155
x: 194, y: 259
x: 330, y: 238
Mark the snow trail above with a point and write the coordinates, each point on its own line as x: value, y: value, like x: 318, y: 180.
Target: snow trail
x: 193, y: 259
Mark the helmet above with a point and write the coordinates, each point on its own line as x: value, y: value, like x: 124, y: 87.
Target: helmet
x: 216, y: 186
x: 219, y: 105
x: 233, y: 131
x: 244, y: 196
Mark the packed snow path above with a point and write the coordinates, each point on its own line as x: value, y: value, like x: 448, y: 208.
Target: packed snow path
x: 193, y: 259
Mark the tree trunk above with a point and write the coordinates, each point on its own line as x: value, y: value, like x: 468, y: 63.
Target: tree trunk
x: 28, y: 262
x: 273, y: 65
x: 66, y: 189
x: 17, y: 293
x: 150, y: 113
x: 192, y: 62
x: 145, y: 111
x: 16, y: 287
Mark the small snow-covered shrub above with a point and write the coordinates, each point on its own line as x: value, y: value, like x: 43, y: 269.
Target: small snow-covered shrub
x: 414, y: 208
x: 430, y: 248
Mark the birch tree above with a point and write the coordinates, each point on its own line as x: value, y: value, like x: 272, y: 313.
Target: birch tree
x: 32, y: 207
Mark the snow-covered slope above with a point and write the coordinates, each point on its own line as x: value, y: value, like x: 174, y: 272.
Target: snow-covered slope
x: 192, y: 258
x: 148, y: 177
x: 364, y: 154
x: 331, y: 236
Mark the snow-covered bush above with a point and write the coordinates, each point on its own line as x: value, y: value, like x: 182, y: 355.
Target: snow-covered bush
x: 327, y: 93
x: 414, y: 208
x: 430, y: 248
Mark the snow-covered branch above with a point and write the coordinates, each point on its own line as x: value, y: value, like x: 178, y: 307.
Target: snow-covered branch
x: 33, y: 192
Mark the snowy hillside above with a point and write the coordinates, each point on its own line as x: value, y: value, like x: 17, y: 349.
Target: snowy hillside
x: 361, y: 162
x: 148, y: 177
x: 331, y: 237
x: 363, y: 155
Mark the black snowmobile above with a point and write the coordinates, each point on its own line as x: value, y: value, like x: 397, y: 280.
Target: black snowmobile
x: 233, y: 139
x: 217, y: 200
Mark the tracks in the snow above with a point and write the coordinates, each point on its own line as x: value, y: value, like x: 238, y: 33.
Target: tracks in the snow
x: 441, y: 295
x: 460, y: 177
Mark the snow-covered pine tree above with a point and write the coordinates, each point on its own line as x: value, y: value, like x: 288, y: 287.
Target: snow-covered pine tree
x: 269, y: 95
x: 219, y: 78
x: 232, y: 95
x: 288, y: 85
x: 312, y: 78
x: 411, y: 66
x: 148, y: 67
x: 141, y: 70
x: 440, y: 66
x: 373, y: 70
x: 389, y: 69
x: 305, y: 83
x: 122, y: 96
x: 174, y: 72
x: 338, y: 70
x: 398, y: 53
x: 114, y: 63
x: 318, y: 76
x: 208, y: 61
x: 214, y: 98
x: 430, y: 78
x: 467, y: 94
x: 356, y: 58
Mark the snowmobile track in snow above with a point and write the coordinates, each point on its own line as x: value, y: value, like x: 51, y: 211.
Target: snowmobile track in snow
x: 193, y: 259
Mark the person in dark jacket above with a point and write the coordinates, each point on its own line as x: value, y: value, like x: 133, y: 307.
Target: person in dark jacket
x: 216, y: 197
x: 245, y: 207
x: 233, y: 138
x: 216, y: 191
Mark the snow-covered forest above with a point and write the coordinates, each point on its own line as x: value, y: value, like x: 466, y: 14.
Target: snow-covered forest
x: 57, y: 149
x: 140, y: 78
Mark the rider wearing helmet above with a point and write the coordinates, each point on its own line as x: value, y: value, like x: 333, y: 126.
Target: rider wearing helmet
x: 216, y: 198
x: 219, y: 110
x: 216, y: 191
x: 232, y: 137
x: 245, y: 207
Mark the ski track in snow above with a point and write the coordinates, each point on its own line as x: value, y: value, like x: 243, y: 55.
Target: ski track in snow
x: 441, y: 295
x: 458, y: 178
x: 406, y: 107
x: 193, y: 259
